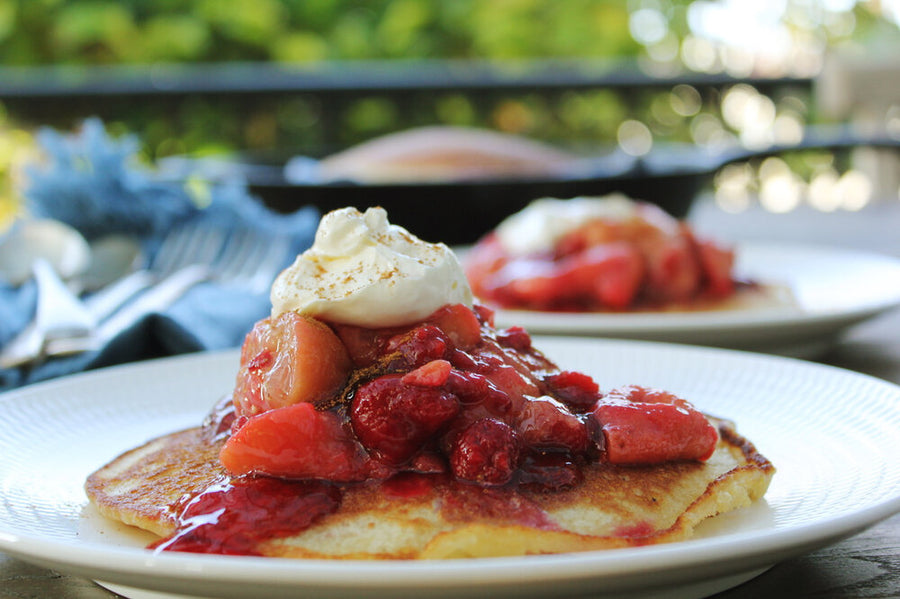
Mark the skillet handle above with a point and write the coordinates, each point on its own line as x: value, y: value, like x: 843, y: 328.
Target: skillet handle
x: 815, y: 138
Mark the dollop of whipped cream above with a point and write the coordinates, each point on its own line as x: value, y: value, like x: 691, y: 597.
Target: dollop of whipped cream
x: 362, y: 270
x: 538, y: 226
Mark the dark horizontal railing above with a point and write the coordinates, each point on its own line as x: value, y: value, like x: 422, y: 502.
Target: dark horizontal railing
x: 388, y: 77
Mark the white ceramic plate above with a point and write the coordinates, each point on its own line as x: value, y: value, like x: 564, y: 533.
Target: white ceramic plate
x: 832, y: 289
x: 831, y: 433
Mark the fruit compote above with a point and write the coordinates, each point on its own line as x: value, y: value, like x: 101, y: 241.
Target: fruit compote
x: 578, y: 258
x: 448, y: 405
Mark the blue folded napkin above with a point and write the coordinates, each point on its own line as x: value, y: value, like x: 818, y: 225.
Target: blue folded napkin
x: 93, y: 182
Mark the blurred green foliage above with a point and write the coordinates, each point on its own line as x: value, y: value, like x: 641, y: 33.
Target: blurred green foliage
x: 304, y: 32
x: 146, y: 31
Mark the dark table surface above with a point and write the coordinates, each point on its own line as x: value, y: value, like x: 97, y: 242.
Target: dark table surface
x: 864, y: 566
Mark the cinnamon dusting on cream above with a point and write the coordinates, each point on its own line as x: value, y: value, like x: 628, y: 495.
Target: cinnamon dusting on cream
x: 364, y: 271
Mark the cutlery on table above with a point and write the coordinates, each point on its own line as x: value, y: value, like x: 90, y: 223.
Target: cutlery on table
x: 248, y: 260
x: 189, y: 255
x: 58, y: 314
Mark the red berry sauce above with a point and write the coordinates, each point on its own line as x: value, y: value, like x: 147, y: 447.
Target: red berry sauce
x: 449, y: 407
x: 233, y: 516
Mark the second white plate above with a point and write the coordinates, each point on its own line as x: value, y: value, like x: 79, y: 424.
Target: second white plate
x: 832, y: 289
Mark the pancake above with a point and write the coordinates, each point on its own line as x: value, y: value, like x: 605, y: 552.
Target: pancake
x: 431, y: 516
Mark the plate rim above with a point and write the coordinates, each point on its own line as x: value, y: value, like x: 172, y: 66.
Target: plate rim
x: 738, y: 319
x: 758, y: 546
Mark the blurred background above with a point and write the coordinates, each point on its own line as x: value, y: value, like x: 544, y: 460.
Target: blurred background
x: 266, y: 80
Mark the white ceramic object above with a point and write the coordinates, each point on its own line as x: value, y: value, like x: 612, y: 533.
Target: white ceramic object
x: 832, y: 289
x: 112, y: 257
x: 59, y: 244
x: 831, y: 433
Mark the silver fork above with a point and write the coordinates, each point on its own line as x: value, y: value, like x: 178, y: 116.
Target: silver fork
x: 244, y: 259
x: 251, y: 260
x: 60, y: 316
x: 183, y: 246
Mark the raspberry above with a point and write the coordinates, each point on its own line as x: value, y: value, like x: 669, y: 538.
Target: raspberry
x: 394, y: 419
x: 473, y: 388
x: 419, y: 346
x: 485, y: 452
x: 476, y: 361
x: 510, y: 380
x: 515, y: 337
x: 578, y: 391
x: 549, y: 472
x: 547, y: 424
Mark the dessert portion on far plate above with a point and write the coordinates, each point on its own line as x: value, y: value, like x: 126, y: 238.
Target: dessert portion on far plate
x: 605, y: 254
x: 378, y: 413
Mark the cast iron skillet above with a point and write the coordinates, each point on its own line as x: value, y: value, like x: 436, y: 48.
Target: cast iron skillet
x: 460, y: 212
